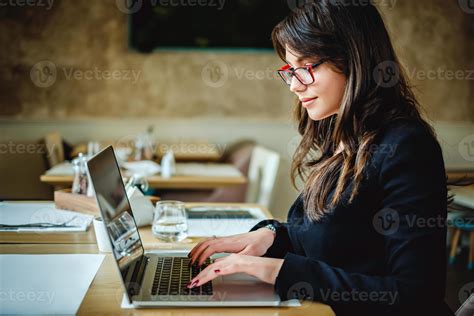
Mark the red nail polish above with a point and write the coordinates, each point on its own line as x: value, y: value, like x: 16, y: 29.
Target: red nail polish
x: 195, y: 283
x: 217, y: 271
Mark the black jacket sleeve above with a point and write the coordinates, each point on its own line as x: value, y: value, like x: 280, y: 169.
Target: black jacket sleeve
x: 412, y: 224
x: 282, y: 243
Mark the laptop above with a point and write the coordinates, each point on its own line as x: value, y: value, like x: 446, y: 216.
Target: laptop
x: 159, y: 278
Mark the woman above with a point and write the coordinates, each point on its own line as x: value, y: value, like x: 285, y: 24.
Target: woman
x: 367, y: 233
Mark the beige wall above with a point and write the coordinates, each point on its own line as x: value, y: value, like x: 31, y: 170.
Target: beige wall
x: 81, y: 36
x: 172, y: 91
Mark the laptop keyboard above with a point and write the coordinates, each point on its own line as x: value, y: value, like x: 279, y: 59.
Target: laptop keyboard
x: 174, y: 273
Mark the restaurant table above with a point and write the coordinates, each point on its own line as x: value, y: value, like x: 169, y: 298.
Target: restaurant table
x: 105, y: 294
x: 88, y: 237
x: 187, y: 177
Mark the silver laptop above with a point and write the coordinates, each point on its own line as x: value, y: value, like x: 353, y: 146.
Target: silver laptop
x: 158, y: 278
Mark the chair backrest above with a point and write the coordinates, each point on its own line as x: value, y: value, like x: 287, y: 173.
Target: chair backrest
x: 467, y: 308
x: 54, y: 145
x: 263, y: 171
x: 20, y: 171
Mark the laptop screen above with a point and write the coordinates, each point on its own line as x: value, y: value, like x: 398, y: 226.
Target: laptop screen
x: 116, y: 212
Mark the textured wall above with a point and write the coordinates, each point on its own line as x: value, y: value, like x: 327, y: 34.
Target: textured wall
x: 86, y: 39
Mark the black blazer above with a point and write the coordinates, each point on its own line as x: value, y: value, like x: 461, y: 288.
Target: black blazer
x: 384, y: 253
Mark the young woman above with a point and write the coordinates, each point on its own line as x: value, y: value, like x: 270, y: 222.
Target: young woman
x: 367, y: 234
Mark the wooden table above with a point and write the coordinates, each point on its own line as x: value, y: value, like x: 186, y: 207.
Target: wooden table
x: 175, y: 182
x: 105, y: 293
x: 467, y: 175
x: 88, y: 237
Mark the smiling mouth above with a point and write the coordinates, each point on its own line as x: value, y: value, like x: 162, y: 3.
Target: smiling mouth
x: 307, y: 100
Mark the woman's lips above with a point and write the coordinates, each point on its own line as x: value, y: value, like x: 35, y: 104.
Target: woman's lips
x: 306, y: 101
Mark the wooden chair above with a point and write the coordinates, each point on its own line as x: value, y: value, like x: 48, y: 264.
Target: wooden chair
x: 263, y: 171
x: 54, y: 146
x: 460, y: 225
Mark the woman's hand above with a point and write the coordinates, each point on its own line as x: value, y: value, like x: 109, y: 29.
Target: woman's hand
x: 254, y: 243
x: 264, y: 269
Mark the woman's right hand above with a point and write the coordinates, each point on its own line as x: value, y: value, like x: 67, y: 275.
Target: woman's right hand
x: 255, y: 243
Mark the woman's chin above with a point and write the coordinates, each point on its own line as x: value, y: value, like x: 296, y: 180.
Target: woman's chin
x: 316, y: 115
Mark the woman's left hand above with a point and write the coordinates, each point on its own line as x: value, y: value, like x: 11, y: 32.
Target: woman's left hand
x: 264, y: 269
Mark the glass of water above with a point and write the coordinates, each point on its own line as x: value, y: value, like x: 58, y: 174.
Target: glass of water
x: 170, y: 222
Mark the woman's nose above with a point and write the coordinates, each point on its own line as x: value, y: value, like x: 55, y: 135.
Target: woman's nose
x: 296, y: 85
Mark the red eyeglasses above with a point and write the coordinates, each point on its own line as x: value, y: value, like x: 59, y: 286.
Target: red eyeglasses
x: 303, y: 74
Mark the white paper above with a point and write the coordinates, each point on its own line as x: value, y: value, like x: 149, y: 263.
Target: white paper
x: 223, y: 227
x: 46, y: 284
x: 207, y: 169
x: 12, y: 213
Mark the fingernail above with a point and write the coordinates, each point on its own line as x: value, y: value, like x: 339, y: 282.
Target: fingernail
x: 217, y: 271
x: 192, y: 284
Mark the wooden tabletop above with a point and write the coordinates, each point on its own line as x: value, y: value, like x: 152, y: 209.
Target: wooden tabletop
x: 201, y: 181
x: 467, y: 175
x: 105, y: 293
x: 88, y: 237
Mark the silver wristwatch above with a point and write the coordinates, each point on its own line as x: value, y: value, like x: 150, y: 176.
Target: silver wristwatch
x: 271, y: 227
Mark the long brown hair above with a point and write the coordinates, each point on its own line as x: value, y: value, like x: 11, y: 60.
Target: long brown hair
x: 353, y: 39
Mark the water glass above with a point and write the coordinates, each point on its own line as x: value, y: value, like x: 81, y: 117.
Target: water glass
x: 170, y: 222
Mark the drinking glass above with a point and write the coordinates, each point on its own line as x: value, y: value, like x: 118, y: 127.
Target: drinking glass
x: 170, y: 222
